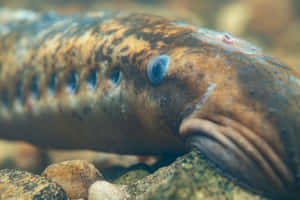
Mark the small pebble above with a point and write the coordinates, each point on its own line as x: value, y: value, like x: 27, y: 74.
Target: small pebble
x: 103, y: 190
x: 74, y: 176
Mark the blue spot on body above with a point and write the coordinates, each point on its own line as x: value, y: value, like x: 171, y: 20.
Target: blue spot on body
x: 115, y: 77
x: 52, y: 84
x: 72, y: 82
x: 34, y: 87
x: 157, y: 68
x: 92, y: 79
x: 19, y: 93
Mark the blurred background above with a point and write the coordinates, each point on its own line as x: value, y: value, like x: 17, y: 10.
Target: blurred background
x: 273, y: 25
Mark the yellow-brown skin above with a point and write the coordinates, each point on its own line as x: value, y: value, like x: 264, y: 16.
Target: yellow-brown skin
x: 220, y: 95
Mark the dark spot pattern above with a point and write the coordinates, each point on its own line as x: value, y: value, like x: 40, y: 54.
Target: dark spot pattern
x: 101, y: 57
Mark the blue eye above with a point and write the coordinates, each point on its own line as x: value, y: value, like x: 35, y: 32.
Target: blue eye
x: 115, y: 77
x: 72, y: 82
x: 157, y: 69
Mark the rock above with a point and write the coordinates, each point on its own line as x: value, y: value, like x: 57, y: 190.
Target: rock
x: 189, y: 178
x: 134, y: 173
x: 102, y: 190
x: 20, y: 185
x: 74, y: 176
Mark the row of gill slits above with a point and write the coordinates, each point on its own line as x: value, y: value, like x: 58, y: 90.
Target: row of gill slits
x: 9, y: 98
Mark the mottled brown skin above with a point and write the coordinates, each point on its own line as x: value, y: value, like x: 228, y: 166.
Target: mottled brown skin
x: 20, y: 185
x: 220, y: 96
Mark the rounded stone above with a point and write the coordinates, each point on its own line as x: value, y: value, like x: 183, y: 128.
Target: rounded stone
x: 74, y: 176
x: 104, y: 190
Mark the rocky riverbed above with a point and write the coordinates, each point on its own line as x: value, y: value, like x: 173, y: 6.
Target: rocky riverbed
x: 188, y: 177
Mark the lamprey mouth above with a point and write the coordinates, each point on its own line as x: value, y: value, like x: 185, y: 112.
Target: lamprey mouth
x: 239, y: 153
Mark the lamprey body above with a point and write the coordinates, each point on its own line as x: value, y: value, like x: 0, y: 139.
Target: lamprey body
x: 143, y: 84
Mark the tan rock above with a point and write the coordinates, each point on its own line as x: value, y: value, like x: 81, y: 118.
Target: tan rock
x: 21, y: 185
x: 74, y: 176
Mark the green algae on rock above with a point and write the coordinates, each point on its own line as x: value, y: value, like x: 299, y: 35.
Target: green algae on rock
x: 133, y: 174
x: 21, y: 185
x: 190, y: 178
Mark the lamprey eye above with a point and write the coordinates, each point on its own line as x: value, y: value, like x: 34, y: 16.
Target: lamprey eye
x: 72, y: 82
x: 115, y: 77
x: 157, y: 68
